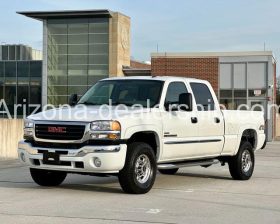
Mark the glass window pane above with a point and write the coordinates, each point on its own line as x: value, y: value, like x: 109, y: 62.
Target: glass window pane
x: 78, y: 49
x: 36, y: 69
x: 240, y: 93
x: 94, y: 79
x: 98, y: 38
x: 203, y: 97
x: 80, y: 90
x: 35, y: 94
x: 99, y: 27
x: 58, y: 100
x: 1, y: 91
x: 257, y: 75
x: 57, y: 90
x: 5, y: 53
x: 12, y: 53
x: 98, y: 70
x: 57, y: 49
x: 77, y: 28
x: 78, y: 59
x: 57, y: 80
x: 239, y: 76
x: 23, y: 69
x: 99, y: 49
x: 10, y: 68
x: 57, y: 39
x: 18, y: 53
x: 225, y: 76
x: 226, y: 93
x: 77, y: 79
x: 78, y: 39
x: 99, y: 59
x: 57, y: 28
x: 22, y: 94
x: 1, y: 69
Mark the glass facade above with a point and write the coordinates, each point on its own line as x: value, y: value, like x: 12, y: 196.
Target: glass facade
x: 240, y: 83
x: 78, y: 56
x: 20, y: 84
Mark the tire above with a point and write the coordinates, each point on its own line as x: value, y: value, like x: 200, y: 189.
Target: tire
x: 242, y: 165
x: 47, y: 178
x: 141, y: 182
x: 169, y: 171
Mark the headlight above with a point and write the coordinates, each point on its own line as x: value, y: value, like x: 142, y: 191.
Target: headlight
x: 105, y: 126
x: 28, y: 124
x: 105, y: 130
x: 28, y: 129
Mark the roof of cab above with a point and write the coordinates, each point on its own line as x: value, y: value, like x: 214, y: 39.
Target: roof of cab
x: 159, y: 78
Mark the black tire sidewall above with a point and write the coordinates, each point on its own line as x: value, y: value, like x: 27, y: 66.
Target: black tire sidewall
x: 246, y: 146
x: 127, y: 176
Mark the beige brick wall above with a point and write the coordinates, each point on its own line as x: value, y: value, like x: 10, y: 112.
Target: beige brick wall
x: 119, y: 44
x: 11, y: 132
x: 278, y: 125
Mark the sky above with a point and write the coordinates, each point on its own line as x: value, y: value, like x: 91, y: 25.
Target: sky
x: 172, y: 25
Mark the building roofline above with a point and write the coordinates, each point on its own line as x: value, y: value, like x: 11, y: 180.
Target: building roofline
x: 42, y: 15
x: 211, y: 54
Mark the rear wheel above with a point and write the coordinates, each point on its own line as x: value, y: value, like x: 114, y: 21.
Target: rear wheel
x: 47, y: 178
x: 242, y: 165
x: 169, y: 171
x: 139, y: 173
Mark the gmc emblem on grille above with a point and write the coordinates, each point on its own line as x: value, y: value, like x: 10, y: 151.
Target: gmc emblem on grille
x: 57, y: 129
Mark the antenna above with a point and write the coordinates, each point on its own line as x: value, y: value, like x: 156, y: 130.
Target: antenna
x: 264, y: 46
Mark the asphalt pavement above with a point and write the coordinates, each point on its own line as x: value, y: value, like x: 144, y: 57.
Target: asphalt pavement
x: 193, y: 195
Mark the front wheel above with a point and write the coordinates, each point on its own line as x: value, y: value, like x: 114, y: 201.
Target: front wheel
x: 139, y: 173
x: 47, y: 178
x: 242, y: 165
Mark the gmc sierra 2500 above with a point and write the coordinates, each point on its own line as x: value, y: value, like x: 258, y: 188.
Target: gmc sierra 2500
x: 177, y: 122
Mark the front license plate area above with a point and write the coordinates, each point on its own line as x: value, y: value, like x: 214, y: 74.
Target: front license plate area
x: 51, y: 158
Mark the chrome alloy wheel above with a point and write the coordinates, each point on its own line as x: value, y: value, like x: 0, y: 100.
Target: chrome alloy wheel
x: 143, y: 169
x: 246, y: 161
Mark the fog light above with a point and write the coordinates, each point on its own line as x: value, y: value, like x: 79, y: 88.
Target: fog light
x: 97, y: 162
x: 22, y: 157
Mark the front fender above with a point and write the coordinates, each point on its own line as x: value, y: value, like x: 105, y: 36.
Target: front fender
x: 145, y: 128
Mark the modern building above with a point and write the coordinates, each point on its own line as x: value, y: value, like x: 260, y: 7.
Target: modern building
x: 20, y: 79
x: 80, y: 48
x: 237, y: 77
x: 19, y: 52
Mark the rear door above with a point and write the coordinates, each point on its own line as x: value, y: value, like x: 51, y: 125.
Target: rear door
x: 209, y: 119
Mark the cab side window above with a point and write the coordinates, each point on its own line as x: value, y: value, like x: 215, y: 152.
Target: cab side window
x: 203, y: 97
x: 173, y: 92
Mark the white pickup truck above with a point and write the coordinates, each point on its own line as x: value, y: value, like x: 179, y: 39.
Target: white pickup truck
x: 131, y: 127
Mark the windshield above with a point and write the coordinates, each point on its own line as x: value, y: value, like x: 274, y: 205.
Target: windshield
x: 126, y: 92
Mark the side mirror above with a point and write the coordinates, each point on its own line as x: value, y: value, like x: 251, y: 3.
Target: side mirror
x: 73, y: 100
x: 185, y: 102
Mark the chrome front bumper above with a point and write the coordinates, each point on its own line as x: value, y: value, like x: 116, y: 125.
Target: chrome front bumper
x: 112, y: 158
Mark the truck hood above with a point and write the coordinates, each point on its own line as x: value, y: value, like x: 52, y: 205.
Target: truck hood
x: 87, y: 113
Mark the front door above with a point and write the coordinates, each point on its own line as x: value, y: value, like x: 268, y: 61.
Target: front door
x: 179, y: 127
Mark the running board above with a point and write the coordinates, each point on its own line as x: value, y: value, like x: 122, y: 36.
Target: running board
x: 166, y: 166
